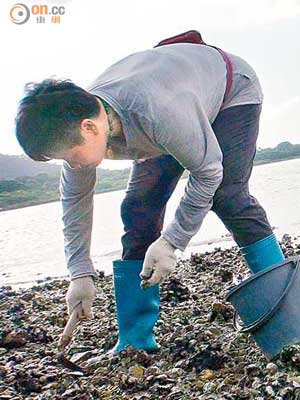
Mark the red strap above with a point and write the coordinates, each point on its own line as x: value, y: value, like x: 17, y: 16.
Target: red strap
x: 195, y: 37
x: 186, y: 37
x: 228, y: 69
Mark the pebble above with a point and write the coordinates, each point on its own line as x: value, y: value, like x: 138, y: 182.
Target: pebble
x: 13, y: 339
x: 207, y: 375
x: 269, y: 391
x: 271, y: 368
x: 252, y: 370
x: 136, y: 371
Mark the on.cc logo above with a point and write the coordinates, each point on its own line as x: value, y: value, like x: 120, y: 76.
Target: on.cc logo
x: 19, y: 14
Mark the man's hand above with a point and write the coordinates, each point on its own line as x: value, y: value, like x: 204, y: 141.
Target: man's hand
x: 81, y: 290
x: 159, y: 263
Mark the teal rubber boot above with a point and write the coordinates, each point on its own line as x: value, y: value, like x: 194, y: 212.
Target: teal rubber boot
x: 137, y: 309
x: 262, y: 254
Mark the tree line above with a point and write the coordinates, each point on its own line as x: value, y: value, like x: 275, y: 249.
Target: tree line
x: 41, y: 183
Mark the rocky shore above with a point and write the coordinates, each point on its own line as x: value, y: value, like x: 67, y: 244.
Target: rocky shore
x: 201, y: 356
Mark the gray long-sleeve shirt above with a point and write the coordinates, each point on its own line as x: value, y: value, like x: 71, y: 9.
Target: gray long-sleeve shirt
x: 167, y: 99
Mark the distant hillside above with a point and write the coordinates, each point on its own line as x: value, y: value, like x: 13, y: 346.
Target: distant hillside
x: 43, y: 188
x: 12, y: 167
x: 283, y: 151
x: 24, y: 182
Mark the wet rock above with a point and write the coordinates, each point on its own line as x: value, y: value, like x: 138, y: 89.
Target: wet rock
x: 207, y: 375
x: 25, y: 383
x: 14, y: 339
x: 174, y: 291
x: 221, y: 310
x: 137, y: 371
x: 290, y: 356
x: 207, y: 359
x: 252, y: 370
x: 271, y: 368
x: 225, y: 274
x: 38, y: 334
x: 84, y: 356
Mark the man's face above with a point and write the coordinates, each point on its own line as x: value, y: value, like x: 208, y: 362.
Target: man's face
x: 92, y: 151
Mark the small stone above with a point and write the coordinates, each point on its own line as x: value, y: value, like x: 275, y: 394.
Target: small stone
x: 75, y: 373
x: 226, y: 275
x: 83, y: 356
x: 290, y: 355
x: 207, y: 359
x: 231, y: 379
x: 198, y: 384
x: 252, y: 370
x: 257, y: 384
x: 137, y: 371
x: 207, y: 375
x: 47, y: 378
x: 271, y: 368
x: 221, y: 310
x: 209, y: 387
x: 14, y: 339
x: 69, y: 392
x: 269, y: 391
x: 295, y: 379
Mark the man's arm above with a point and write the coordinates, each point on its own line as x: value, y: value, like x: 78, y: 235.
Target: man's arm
x: 77, y: 190
x: 192, y: 142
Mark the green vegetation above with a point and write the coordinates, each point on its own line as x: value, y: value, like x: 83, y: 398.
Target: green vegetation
x: 284, y: 151
x: 44, y: 188
x: 40, y: 185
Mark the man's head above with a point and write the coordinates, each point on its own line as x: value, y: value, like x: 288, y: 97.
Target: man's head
x: 59, y: 120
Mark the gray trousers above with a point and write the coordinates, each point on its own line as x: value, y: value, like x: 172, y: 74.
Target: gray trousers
x: 153, y: 181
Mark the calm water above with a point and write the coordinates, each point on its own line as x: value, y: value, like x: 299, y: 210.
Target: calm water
x: 31, y: 241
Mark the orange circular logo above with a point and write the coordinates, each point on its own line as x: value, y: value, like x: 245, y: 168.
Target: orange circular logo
x: 19, y: 13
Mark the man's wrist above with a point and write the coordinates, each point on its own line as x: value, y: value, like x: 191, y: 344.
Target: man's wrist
x: 168, y: 241
x: 73, y: 278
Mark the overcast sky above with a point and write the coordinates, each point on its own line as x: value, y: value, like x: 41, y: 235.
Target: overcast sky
x: 94, y: 34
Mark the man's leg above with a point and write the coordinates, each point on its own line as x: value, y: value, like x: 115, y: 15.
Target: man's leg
x: 236, y: 129
x: 150, y: 186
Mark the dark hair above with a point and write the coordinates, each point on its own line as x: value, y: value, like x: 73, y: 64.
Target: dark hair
x: 49, y: 116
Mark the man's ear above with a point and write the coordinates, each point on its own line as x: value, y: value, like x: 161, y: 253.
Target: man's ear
x: 87, y: 126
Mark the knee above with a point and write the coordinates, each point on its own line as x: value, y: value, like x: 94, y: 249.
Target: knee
x: 127, y: 209
x: 138, y: 213
x: 231, y: 200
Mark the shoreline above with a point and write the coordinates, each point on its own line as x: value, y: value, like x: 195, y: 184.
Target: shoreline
x: 223, y: 243
x: 207, y: 244
x: 48, y: 202
x: 257, y: 163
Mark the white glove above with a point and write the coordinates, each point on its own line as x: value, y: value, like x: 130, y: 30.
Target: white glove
x: 81, y: 290
x: 159, y: 263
